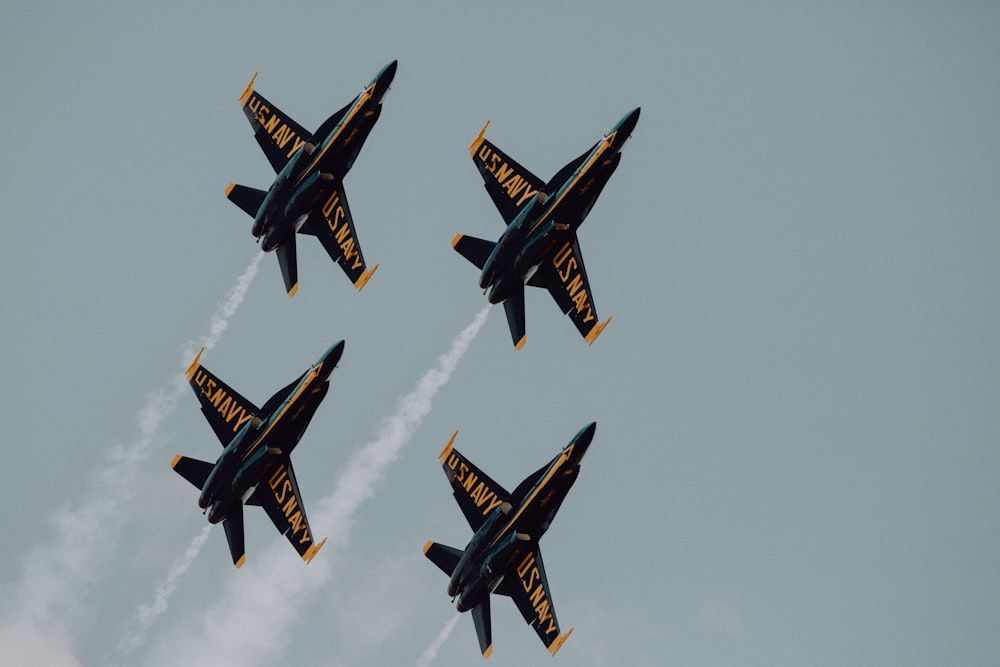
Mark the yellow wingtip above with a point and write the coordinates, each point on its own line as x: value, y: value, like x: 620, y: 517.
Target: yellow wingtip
x: 474, y: 146
x: 245, y: 95
x: 173, y: 463
x: 364, y: 278
x: 427, y: 546
x: 229, y: 188
x: 189, y: 373
x: 443, y: 456
x: 312, y: 551
x: 559, y: 641
x: 295, y: 288
x: 488, y: 652
x: 595, y: 331
x: 240, y: 562
x: 519, y: 344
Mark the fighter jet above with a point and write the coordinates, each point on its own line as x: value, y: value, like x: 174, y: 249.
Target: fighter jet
x: 503, y: 556
x: 255, y: 467
x: 540, y: 246
x: 307, y: 195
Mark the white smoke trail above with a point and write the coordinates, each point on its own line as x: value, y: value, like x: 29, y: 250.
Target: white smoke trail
x: 83, y: 536
x: 250, y: 623
x: 427, y: 657
x: 146, y: 614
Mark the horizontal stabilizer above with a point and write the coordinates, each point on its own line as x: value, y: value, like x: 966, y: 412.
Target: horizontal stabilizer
x: 445, y: 557
x: 475, y: 250
x: 248, y: 199
x: 192, y: 470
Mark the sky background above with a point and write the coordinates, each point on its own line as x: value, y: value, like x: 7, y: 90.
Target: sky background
x: 796, y: 459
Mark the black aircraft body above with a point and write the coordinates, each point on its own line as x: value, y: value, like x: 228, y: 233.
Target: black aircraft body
x: 307, y: 195
x: 255, y: 467
x: 503, y: 556
x: 540, y: 246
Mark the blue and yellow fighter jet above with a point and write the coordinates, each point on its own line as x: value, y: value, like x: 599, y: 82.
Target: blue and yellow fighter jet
x: 503, y: 556
x: 540, y: 246
x: 255, y: 467
x: 307, y: 195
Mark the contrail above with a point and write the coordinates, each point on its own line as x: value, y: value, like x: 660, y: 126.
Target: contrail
x: 427, y: 657
x: 250, y: 623
x: 55, y: 575
x: 146, y: 614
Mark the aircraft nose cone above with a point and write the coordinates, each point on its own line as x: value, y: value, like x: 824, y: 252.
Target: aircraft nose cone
x: 582, y: 441
x: 331, y: 357
x: 626, y: 125
x: 384, y: 78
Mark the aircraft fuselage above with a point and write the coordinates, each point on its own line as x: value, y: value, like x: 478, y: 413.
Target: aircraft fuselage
x: 255, y: 451
x: 310, y: 177
x: 506, y: 537
x: 552, y: 216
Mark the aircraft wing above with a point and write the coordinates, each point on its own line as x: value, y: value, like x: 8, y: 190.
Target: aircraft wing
x: 224, y: 408
x: 277, y: 134
x: 566, y: 279
x: 530, y: 592
x: 510, y: 185
x: 280, y: 497
x: 475, y: 492
x: 333, y: 224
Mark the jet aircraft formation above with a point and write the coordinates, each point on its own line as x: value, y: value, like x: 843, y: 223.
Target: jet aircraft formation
x: 538, y: 248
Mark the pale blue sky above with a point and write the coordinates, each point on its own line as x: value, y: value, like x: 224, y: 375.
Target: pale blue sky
x: 796, y: 457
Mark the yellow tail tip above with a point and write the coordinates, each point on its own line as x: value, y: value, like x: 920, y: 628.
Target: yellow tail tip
x: 364, y: 278
x: 240, y: 562
x: 474, y: 146
x: 189, y: 373
x: 245, y: 95
x: 312, y: 551
x: 558, y: 642
x: 443, y: 456
x: 295, y: 288
x: 595, y: 331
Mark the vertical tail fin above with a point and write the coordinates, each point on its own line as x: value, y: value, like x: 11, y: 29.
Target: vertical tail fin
x: 234, y: 535
x: 289, y: 266
x: 484, y: 631
x: 514, y: 307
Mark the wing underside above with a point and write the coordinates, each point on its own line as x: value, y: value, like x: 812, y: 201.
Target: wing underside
x: 565, y: 277
x: 277, y: 134
x: 477, y: 495
x: 509, y: 184
x: 280, y: 497
x: 224, y: 408
x: 528, y: 586
x: 332, y: 223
